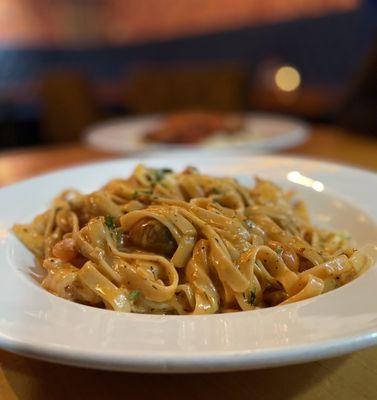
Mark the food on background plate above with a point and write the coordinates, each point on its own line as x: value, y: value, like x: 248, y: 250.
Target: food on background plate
x: 194, y: 127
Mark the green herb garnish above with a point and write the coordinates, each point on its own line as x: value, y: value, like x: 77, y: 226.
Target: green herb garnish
x: 117, y: 235
x: 215, y: 190
x: 253, y: 297
x: 134, y: 195
x: 279, y: 250
x: 133, y: 295
x: 109, y: 221
x: 116, y: 232
x: 138, y: 193
x: 154, y: 176
x: 158, y: 175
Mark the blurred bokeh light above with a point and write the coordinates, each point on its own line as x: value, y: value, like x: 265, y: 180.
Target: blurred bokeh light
x: 287, y: 78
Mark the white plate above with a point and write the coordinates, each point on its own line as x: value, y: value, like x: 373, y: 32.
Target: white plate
x: 38, y: 324
x: 262, y: 133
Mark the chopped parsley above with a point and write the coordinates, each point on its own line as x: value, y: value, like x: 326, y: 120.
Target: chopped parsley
x: 116, y: 232
x: 138, y: 193
x: 158, y: 175
x: 109, y: 221
x: 279, y: 250
x: 117, y: 235
x: 134, y: 295
x: 253, y: 297
x: 215, y: 190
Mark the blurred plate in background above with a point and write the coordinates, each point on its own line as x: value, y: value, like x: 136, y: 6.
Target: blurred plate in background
x: 261, y: 133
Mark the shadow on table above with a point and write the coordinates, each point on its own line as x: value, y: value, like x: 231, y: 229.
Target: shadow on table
x: 32, y: 380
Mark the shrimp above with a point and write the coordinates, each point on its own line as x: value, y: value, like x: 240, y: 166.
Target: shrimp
x: 65, y: 250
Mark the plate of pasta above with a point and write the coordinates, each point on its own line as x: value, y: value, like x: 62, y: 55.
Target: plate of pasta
x: 196, y: 264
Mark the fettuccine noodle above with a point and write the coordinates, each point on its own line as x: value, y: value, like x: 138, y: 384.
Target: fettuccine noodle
x: 185, y: 243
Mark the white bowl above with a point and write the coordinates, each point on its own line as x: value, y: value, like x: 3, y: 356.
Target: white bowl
x: 36, y: 323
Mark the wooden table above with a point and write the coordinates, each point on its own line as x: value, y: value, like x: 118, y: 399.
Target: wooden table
x: 349, y: 377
